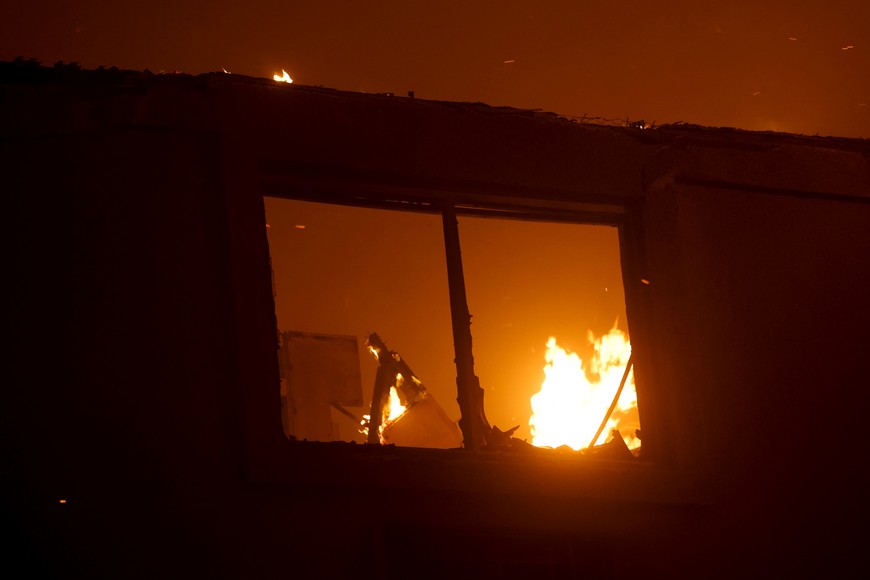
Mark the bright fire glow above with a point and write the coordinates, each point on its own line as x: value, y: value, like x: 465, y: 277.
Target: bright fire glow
x: 283, y: 77
x: 575, y: 396
x: 394, y: 407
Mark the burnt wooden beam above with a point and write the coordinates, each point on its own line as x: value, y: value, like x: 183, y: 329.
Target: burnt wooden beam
x: 384, y: 378
x: 615, y: 400
x: 475, y: 427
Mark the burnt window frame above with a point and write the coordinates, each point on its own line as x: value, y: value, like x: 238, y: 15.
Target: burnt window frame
x: 449, y: 205
x: 268, y: 456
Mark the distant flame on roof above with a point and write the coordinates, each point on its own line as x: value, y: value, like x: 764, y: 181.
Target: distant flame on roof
x: 283, y: 77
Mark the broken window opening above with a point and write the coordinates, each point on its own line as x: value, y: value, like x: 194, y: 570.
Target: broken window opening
x: 550, y: 329
x: 541, y: 293
x: 343, y: 271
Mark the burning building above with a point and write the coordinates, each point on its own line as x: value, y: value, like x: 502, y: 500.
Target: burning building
x: 216, y: 278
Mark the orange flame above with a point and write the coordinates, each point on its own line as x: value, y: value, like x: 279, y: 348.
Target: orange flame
x: 574, y: 397
x: 394, y: 407
x: 283, y: 77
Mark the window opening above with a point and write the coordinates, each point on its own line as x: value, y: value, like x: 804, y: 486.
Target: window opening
x: 550, y: 336
x: 340, y: 275
x: 550, y: 340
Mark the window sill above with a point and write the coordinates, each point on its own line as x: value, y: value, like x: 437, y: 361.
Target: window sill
x: 542, y: 473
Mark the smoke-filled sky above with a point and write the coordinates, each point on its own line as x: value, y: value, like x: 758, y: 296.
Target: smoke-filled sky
x: 799, y: 66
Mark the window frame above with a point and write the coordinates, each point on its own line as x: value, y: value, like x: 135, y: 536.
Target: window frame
x: 269, y: 456
x: 450, y: 208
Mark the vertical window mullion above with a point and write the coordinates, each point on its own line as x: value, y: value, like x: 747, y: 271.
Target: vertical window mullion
x: 475, y: 427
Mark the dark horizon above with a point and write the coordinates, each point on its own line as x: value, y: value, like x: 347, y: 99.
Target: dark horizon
x: 769, y: 66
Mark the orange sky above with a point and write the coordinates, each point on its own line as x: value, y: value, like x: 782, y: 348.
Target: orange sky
x: 797, y: 66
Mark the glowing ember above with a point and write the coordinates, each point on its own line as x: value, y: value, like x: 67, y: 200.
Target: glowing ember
x: 394, y: 407
x: 283, y: 77
x: 574, y: 397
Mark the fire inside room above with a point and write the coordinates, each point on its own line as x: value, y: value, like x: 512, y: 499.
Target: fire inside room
x: 359, y: 287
